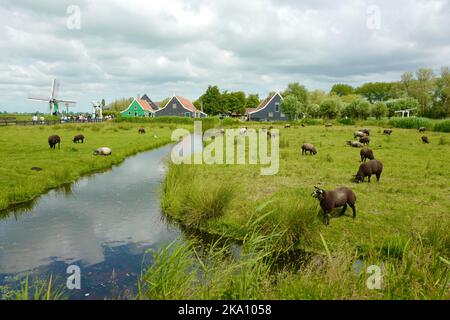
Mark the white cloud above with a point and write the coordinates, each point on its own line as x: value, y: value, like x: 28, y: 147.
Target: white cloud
x: 160, y: 47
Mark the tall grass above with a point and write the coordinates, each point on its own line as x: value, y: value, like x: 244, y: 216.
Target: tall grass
x: 38, y: 289
x: 410, y: 123
x: 442, y: 126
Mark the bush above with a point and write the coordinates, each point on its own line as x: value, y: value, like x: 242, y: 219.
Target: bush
x: 410, y: 123
x: 442, y: 126
x: 312, y: 121
x: 379, y: 110
x: 329, y: 108
x: 346, y: 121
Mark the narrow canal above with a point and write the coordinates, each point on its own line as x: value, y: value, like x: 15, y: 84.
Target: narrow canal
x: 103, y: 223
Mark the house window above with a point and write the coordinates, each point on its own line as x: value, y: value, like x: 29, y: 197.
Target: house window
x: 135, y: 114
x: 270, y: 114
x: 277, y: 107
x: 174, y: 106
x: 129, y: 113
x: 187, y: 114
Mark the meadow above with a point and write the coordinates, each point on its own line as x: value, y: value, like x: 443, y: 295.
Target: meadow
x: 402, y: 224
x: 22, y: 148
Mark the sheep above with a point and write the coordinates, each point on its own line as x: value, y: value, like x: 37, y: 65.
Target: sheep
x: 287, y: 126
x: 364, y: 140
x: 303, y: 125
x: 104, y: 151
x: 422, y: 129
x: 387, y: 132
x: 141, y: 130
x: 359, y: 134
x: 366, y: 153
x: 308, y: 147
x: 425, y: 139
x: 340, y: 197
x: 53, y: 141
x: 355, y: 144
x: 367, y: 169
x: 78, y: 138
x: 365, y: 130
x: 328, y: 125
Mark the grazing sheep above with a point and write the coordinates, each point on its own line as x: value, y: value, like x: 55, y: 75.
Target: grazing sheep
x: 53, y: 141
x: 367, y: 169
x: 36, y: 169
x: 422, y: 129
x: 287, y: 126
x: 340, y: 197
x: 303, y: 125
x: 78, y: 138
x: 141, y: 131
x: 359, y: 134
x: 364, y: 140
x: 104, y: 151
x: 365, y: 154
x: 308, y: 147
x: 355, y: 144
x: 387, y: 132
x: 425, y: 139
x: 365, y: 130
x: 328, y: 125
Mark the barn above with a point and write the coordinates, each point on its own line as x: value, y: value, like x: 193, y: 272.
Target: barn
x: 140, y: 107
x: 268, y: 110
x: 180, y: 107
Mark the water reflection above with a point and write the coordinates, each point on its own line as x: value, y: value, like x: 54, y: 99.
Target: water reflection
x: 101, y: 223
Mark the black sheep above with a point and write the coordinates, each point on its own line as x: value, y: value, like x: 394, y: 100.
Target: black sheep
x: 365, y: 154
x: 364, y: 140
x: 387, y: 132
x: 367, y: 169
x: 425, y: 139
x: 340, y: 197
x: 422, y: 129
x: 78, y: 138
x: 141, y: 131
x: 53, y: 141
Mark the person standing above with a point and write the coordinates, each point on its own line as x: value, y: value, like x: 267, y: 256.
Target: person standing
x: 35, y: 119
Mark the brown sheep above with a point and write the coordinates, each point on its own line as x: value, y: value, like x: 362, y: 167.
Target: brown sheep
x: 367, y: 169
x: 364, y: 140
x: 359, y: 134
x: 422, y: 129
x: 340, y: 197
x: 365, y: 130
x: 387, y: 132
x: 308, y: 147
x: 355, y: 144
x: 53, y: 141
x: 141, y: 131
x: 425, y: 139
x: 78, y: 138
x: 365, y: 154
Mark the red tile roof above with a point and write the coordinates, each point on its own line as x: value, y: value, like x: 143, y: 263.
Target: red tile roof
x: 145, y: 105
x: 187, y: 104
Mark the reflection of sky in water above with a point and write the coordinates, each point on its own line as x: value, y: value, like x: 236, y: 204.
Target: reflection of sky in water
x: 117, y: 209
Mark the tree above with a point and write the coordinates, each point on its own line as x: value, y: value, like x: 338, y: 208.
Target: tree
x: 212, y: 102
x: 342, y: 89
x: 407, y: 80
x: 375, y: 91
x: 312, y: 110
x: 252, y: 101
x: 233, y: 102
x: 401, y: 104
x: 329, y: 108
x: 291, y: 106
x: 379, y: 110
x: 120, y: 104
x: 298, y: 91
x: 423, y: 89
x: 441, y: 98
x: 103, y: 103
x: 316, y: 97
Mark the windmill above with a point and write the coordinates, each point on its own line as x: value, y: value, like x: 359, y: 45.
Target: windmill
x: 53, y: 101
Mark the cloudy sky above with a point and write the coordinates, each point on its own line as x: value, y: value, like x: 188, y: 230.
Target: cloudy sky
x: 119, y: 48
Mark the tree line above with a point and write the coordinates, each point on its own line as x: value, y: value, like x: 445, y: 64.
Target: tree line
x: 428, y: 94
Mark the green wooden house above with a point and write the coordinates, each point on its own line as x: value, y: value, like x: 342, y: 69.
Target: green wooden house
x: 138, y: 108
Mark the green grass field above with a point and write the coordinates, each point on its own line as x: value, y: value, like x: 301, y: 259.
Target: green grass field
x: 22, y: 148
x: 402, y: 223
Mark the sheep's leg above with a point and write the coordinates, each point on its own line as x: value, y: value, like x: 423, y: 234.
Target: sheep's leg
x: 344, y: 209
x: 378, y: 177
x: 352, y: 205
x: 368, y: 178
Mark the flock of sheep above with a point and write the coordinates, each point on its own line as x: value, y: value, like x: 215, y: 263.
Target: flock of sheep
x: 343, y: 196
x: 56, y: 140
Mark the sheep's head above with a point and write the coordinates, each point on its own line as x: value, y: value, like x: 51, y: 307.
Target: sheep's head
x: 314, y: 150
x: 318, y: 193
x: 359, y: 178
